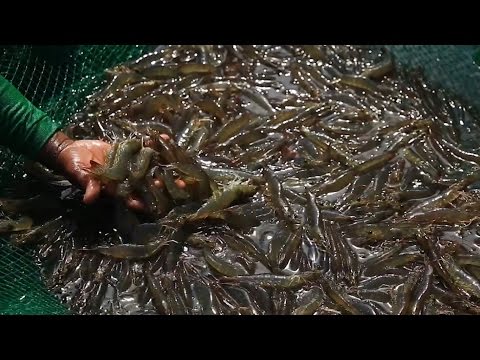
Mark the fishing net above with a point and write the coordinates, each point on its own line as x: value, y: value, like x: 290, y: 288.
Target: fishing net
x: 58, y: 79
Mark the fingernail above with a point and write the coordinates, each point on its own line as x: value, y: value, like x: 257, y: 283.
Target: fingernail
x: 180, y: 183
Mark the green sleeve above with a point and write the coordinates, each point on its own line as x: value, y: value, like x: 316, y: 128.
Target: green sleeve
x: 24, y: 128
x: 476, y: 57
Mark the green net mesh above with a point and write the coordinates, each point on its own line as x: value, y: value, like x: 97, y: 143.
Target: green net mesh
x: 57, y: 79
x: 450, y: 66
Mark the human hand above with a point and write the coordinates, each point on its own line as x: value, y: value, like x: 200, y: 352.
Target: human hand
x: 74, y: 158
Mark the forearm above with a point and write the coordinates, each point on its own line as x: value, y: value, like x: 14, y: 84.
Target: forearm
x: 24, y: 128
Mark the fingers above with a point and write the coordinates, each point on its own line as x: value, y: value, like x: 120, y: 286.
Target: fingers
x: 135, y: 204
x: 93, y: 187
x: 92, y: 191
x: 110, y: 189
x: 180, y: 183
x: 132, y: 202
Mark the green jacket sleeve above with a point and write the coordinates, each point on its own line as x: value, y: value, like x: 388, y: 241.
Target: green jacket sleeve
x: 24, y: 128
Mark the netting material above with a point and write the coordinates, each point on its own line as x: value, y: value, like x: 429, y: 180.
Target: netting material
x: 58, y: 81
x: 450, y: 66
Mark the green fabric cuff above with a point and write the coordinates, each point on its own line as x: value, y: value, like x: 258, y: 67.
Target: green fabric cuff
x: 40, y: 133
x: 24, y: 128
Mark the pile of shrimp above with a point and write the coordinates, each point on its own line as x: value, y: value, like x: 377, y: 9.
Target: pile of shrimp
x: 319, y: 180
